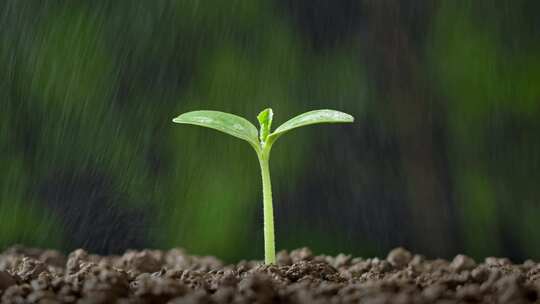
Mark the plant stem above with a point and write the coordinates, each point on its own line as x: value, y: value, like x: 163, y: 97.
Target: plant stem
x: 268, y: 209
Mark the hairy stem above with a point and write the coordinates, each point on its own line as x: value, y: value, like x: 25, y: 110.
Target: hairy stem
x: 268, y: 209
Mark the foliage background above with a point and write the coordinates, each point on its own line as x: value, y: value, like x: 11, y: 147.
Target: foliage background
x: 444, y: 157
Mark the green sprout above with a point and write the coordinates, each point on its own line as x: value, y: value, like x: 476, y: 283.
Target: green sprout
x: 262, y: 142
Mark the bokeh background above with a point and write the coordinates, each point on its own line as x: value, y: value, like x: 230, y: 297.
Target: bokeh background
x: 444, y: 156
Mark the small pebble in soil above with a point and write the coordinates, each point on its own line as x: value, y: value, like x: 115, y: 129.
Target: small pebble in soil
x: 399, y: 257
x: 462, y: 262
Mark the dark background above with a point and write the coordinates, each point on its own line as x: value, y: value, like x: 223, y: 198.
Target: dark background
x: 443, y: 158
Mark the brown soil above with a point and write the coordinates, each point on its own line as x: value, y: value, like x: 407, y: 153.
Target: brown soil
x: 151, y: 276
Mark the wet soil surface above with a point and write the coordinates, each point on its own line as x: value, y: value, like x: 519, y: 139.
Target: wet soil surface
x: 45, y: 276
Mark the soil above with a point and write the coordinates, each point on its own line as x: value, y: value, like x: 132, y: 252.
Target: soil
x: 152, y: 276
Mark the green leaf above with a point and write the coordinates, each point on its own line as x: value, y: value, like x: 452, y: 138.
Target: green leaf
x: 227, y: 123
x: 265, y: 121
x: 311, y: 118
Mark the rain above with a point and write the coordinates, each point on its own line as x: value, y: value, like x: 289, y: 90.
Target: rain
x: 443, y: 157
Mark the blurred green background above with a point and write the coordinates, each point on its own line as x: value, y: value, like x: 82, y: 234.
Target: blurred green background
x: 444, y: 156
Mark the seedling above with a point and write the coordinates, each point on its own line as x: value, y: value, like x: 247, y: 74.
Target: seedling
x: 262, y: 142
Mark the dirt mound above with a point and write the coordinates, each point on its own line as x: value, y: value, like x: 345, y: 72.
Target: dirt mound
x: 152, y: 276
